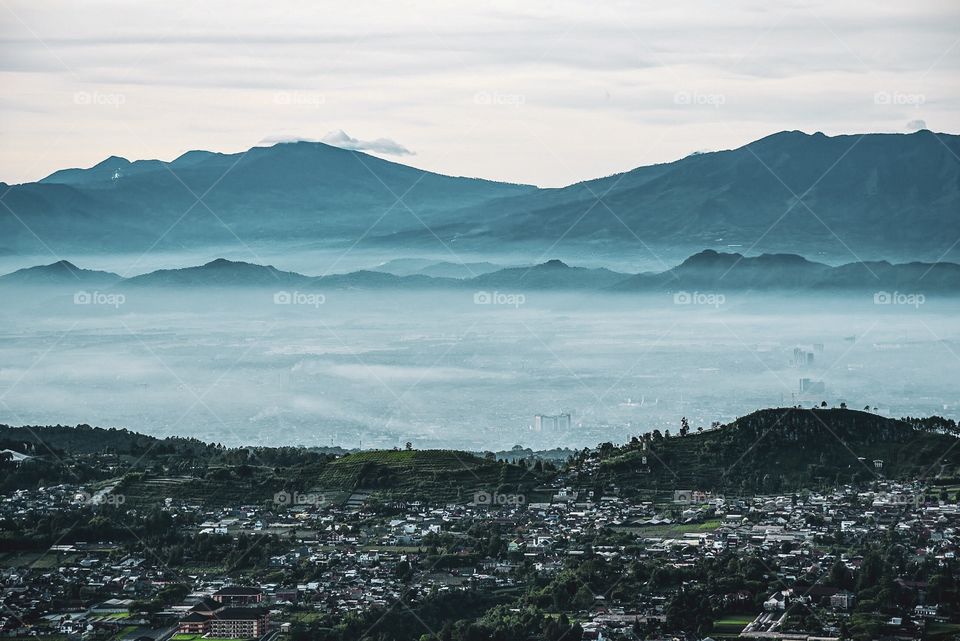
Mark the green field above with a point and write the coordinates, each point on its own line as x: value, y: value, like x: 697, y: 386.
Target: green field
x: 305, y: 617
x: 671, y: 531
x: 730, y: 626
x: 40, y: 560
x: 943, y: 631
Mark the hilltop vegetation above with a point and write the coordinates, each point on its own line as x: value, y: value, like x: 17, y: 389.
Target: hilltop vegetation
x: 767, y: 451
x: 445, y: 475
x: 149, y: 469
x: 784, y: 449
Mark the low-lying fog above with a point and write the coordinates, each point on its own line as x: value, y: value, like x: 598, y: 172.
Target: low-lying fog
x: 377, y: 368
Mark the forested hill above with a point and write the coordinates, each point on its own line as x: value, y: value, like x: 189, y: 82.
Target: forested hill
x: 770, y: 450
x: 783, y: 449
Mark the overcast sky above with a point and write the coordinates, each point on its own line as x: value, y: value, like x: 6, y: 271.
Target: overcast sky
x: 537, y: 92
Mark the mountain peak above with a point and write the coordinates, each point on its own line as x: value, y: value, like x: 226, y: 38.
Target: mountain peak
x: 711, y: 258
x: 193, y: 156
x: 58, y: 273
x: 223, y: 262
x: 112, y: 162
x: 555, y: 263
x: 63, y: 264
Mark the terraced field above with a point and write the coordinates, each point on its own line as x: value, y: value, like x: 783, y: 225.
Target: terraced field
x: 432, y: 475
x: 223, y: 489
x: 423, y: 475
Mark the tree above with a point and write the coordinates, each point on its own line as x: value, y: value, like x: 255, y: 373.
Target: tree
x: 840, y: 575
x: 583, y: 599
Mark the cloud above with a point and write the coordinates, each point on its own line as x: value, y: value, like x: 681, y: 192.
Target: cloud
x: 341, y: 139
x: 915, y: 125
x: 269, y: 141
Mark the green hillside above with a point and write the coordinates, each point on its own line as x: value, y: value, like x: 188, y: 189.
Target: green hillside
x: 766, y: 451
x: 433, y: 476
x: 439, y: 475
x: 782, y: 449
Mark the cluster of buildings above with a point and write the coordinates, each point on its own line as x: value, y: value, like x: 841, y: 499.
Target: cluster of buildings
x: 552, y: 422
x: 232, y: 612
x: 349, y: 557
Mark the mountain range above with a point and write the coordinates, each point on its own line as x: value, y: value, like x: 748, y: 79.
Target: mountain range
x: 890, y: 196
x: 708, y: 270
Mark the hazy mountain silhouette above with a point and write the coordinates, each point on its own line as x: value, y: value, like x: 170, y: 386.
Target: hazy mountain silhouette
x: 222, y: 273
x: 60, y: 273
x: 705, y: 271
x: 288, y: 192
x: 894, y: 196
x: 887, y: 194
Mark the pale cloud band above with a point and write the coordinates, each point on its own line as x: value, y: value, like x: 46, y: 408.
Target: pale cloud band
x: 343, y: 140
x: 386, y: 146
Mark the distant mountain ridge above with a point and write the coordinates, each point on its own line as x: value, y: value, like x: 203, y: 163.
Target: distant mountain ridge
x: 705, y: 271
x: 890, y: 195
x: 60, y: 272
x: 895, y: 196
x: 286, y: 192
x: 221, y: 273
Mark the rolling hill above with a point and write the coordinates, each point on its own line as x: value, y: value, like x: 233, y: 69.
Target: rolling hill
x: 767, y: 451
x: 786, y: 449
x: 440, y: 475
